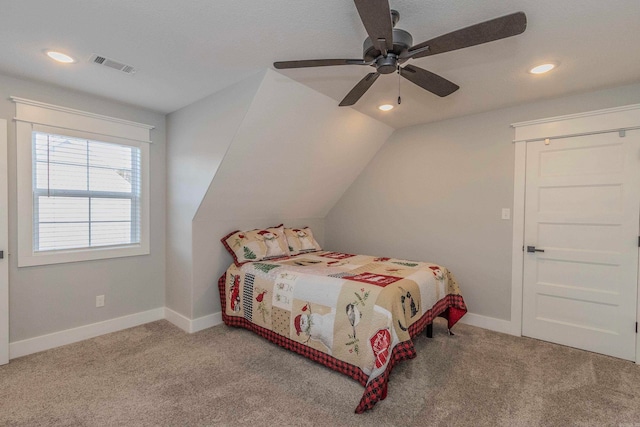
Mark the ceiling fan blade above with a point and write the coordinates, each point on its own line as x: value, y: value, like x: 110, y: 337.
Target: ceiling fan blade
x: 376, y: 17
x: 429, y: 81
x: 359, y: 89
x: 488, y: 31
x: 318, y: 63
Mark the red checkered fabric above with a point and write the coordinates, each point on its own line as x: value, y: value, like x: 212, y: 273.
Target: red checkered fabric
x: 451, y: 307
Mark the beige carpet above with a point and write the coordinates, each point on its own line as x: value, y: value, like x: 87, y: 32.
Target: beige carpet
x: 156, y: 374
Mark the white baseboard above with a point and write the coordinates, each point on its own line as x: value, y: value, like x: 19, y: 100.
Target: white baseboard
x: 194, y: 325
x: 57, y: 339
x: 177, y: 319
x: 491, y: 323
x: 205, y: 322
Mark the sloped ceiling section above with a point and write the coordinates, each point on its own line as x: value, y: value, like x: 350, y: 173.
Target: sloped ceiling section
x: 294, y: 155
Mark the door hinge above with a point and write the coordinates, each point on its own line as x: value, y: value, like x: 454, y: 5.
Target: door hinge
x: 1, y: 254
x: 636, y: 327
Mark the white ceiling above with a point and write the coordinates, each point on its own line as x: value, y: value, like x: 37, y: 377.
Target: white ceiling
x: 186, y: 50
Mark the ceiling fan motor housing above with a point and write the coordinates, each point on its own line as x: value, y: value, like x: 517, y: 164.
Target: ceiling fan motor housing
x: 387, y: 64
x: 402, y: 40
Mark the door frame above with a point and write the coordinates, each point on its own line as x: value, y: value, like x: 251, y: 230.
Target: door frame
x: 4, y: 245
x: 591, y: 122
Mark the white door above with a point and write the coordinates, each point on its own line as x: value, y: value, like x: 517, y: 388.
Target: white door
x: 4, y: 264
x: 582, y: 209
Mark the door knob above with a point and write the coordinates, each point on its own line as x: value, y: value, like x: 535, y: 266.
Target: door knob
x: 533, y: 249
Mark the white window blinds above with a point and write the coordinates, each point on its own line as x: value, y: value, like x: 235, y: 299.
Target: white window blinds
x: 86, y: 193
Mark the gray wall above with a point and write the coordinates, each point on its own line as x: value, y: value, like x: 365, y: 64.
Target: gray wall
x: 51, y: 298
x: 435, y: 192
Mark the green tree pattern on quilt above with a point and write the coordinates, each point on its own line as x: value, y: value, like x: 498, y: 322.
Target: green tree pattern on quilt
x: 264, y: 267
x: 248, y: 253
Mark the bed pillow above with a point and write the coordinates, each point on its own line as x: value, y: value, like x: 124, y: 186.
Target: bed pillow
x: 256, y: 245
x: 301, y: 240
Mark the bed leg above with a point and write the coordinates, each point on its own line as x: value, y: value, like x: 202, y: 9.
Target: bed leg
x: 430, y: 330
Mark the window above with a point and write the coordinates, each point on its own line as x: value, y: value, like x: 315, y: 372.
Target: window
x: 86, y: 193
x: 82, y: 191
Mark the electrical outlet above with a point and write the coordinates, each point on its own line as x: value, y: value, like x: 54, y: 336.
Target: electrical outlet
x: 506, y: 213
x: 100, y: 301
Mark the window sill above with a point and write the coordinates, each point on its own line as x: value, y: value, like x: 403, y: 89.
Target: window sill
x: 66, y: 256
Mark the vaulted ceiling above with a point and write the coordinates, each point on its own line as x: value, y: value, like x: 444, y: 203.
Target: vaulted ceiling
x: 186, y: 50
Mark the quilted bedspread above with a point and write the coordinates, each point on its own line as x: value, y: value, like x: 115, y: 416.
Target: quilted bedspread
x: 353, y: 313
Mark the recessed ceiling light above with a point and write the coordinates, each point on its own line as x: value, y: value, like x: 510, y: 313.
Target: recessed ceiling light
x: 385, y: 107
x: 543, y: 68
x: 60, y: 57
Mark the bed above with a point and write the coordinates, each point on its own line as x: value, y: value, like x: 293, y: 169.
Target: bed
x: 356, y: 314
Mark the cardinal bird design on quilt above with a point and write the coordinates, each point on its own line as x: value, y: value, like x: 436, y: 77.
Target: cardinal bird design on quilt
x: 261, y: 306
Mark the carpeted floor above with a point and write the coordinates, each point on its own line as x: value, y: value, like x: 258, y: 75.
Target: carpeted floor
x: 156, y: 374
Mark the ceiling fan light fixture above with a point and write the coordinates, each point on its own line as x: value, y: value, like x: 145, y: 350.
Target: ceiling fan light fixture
x: 543, y: 68
x: 385, y: 107
x: 60, y: 57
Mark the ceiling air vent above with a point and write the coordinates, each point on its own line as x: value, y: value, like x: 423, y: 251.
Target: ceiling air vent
x: 101, y: 60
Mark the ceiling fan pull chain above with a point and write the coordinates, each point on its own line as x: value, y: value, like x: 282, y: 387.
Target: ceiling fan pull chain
x: 399, y: 98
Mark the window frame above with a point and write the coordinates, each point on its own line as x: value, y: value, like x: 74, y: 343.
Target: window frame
x: 36, y: 116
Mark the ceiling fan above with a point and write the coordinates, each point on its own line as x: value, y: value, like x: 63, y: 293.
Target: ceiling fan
x: 387, y: 48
